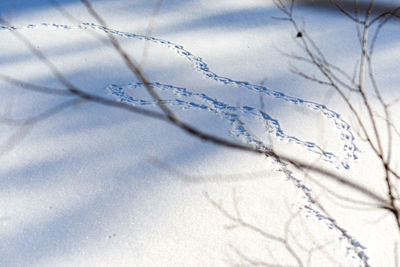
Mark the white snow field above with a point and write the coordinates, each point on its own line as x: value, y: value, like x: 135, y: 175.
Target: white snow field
x: 93, y: 185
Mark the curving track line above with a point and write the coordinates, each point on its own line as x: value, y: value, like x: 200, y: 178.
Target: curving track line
x: 185, y: 99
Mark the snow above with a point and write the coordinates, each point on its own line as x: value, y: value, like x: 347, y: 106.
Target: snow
x: 88, y: 186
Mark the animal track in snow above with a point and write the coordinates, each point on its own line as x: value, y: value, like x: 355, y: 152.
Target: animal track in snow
x: 185, y: 99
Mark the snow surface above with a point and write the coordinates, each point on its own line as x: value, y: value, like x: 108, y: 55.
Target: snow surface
x: 88, y: 186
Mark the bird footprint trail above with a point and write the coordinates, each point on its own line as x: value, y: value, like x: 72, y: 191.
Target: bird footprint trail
x: 349, y: 148
x: 184, y: 98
